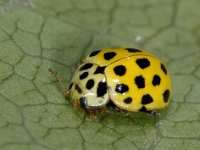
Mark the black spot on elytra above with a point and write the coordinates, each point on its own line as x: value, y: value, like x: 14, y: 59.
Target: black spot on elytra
x: 156, y: 80
x: 94, y: 53
x: 83, y: 102
x: 77, y: 87
x: 163, y: 68
x: 86, y: 66
x: 101, y: 89
x: 128, y: 100
x: 100, y: 70
x: 109, y: 55
x: 133, y: 50
x: 120, y: 70
x: 70, y: 86
x: 83, y: 75
x: 143, y: 109
x: 147, y: 99
x: 121, y: 88
x: 90, y: 84
x: 166, y: 96
x: 140, y: 81
x: 143, y: 63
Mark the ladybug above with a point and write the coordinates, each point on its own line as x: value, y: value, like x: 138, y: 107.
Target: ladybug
x: 131, y: 79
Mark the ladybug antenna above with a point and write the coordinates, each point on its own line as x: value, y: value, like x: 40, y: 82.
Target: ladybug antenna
x: 60, y: 81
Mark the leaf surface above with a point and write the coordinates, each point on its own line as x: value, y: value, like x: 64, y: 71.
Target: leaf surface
x: 36, y: 35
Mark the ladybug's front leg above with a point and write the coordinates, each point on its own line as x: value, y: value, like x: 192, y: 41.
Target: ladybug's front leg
x: 103, y: 110
x: 93, y: 114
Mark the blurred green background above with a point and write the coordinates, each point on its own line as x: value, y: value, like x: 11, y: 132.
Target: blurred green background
x: 38, y: 34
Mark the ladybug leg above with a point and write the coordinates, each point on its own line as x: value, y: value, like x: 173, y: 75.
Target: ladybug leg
x: 127, y: 113
x: 75, y: 104
x: 151, y: 112
x: 103, y: 110
x: 85, y: 113
x: 61, y: 82
x: 76, y: 65
x: 93, y: 114
x: 116, y: 109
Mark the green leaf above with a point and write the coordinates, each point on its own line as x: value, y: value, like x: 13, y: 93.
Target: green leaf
x: 36, y: 35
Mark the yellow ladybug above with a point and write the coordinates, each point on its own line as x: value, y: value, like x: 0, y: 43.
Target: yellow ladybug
x: 131, y: 79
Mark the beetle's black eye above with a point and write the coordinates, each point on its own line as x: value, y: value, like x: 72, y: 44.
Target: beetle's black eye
x: 83, y: 102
